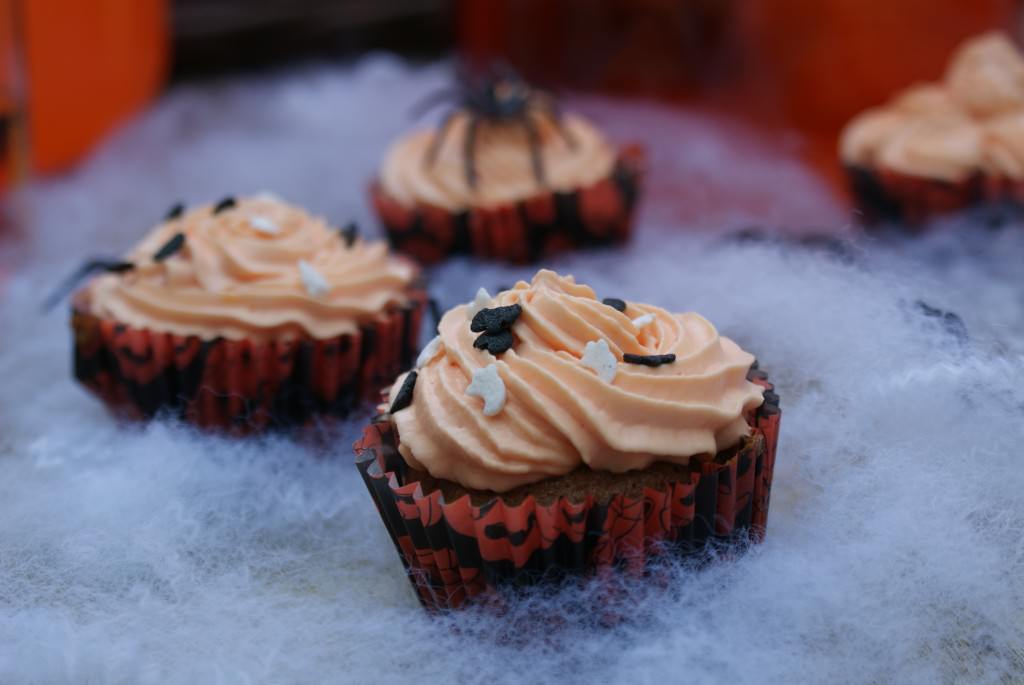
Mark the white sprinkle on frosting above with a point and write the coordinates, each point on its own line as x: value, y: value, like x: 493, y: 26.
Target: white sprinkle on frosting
x: 481, y: 301
x: 487, y: 384
x: 428, y: 352
x: 268, y: 196
x: 312, y: 280
x: 598, y: 356
x: 645, y: 320
x: 264, y: 225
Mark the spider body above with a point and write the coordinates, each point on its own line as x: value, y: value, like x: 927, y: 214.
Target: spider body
x: 500, y: 97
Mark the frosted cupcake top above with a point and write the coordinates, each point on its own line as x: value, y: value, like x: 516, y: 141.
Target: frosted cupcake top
x: 573, y: 158
x: 968, y: 123
x: 253, y: 268
x: 545, y: 377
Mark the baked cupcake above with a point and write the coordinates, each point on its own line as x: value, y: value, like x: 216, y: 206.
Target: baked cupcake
x: 943, y: 146
x: 247, y: 314
x: 506, y: 176
x: 546, y: 431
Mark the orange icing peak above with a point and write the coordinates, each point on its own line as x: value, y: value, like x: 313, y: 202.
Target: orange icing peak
x: 558, y: 410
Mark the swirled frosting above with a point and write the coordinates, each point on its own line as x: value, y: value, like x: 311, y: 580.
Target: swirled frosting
x: 951, y: 129
x: 238, y: 275
x: 559, y: 413
x: 503, y: 163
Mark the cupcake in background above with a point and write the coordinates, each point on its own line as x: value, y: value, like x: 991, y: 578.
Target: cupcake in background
x: 505, y: 176
x: 944, y: 146
x: 246, y: 314
x: 545, y: 432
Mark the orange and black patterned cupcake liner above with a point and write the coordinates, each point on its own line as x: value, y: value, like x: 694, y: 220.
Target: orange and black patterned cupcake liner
x: 884, y: 195
x: 523, y: 232
x: 455, y: 552
x: 241, y: 385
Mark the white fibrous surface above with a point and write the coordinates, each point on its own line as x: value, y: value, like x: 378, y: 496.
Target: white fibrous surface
x: 154, y: 554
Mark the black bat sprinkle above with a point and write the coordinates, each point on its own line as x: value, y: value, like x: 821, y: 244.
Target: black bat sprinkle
x: 649, y: 360
x: 404, y: 397
x: 225, y: 204
x: 170, y: 248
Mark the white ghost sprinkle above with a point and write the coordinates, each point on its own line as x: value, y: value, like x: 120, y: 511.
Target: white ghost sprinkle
x: 312, y: 279
x: 268, y: 196
x: 598, y: 356
x: 264, y: 225
x: 428, y: 352
x: 644, y: 320
x: 481, y: 301
x: 487, y: 384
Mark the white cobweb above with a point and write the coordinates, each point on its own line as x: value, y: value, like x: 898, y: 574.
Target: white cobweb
x: 895, y: 550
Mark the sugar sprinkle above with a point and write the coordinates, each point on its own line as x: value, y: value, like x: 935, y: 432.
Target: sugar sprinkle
x: 264, y: 225
x: 403, y: 398
x: 487, y: 384
x: 645, y: 320
x: 598, y: 356
x: 312, y: 280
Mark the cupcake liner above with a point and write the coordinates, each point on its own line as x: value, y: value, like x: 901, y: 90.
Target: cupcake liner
x: 240, y: 384
x: 521, y: 232
x: 885, y: 195
x: 458, y: 551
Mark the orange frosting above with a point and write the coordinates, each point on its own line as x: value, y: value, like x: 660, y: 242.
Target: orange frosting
x: 559, y: 412
x: 502, y: 162
x: 951, y: 129
x: 262, y: 270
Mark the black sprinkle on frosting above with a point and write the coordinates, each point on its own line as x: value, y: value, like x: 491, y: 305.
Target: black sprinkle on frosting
x: 404, y: 397
x: 349, y: 233
x: 174, y: 212
x: 649, y: 359
x: 225, y: 204
x: 615, y: 303
x: 496, y: 319
x: 170, y: 248
x: 493, y: 325
x: 495, y: 343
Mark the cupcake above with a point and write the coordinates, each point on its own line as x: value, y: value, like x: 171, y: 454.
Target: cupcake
x: 545, y: 431
x: 943, y: 146
x: 506, y: 176
x: 246, y: 314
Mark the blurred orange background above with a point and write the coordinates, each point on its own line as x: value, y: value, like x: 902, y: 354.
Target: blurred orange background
x: 781, y: 64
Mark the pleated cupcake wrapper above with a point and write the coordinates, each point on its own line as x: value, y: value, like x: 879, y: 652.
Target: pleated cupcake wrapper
x: 884, y: 195
x: 521, y: 232
x: 457, y: 551
x: 242, y: 385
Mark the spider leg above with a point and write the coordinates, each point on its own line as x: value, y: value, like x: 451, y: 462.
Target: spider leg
x: 469, y: 151
x: 533, y: 136
x: 549, y: 106
x: 439, y: 136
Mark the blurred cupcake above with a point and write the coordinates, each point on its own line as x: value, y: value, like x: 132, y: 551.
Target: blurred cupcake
x: 505, y: 176
x: 546, y: 431
x: 247, y: 314
x: 943, y: 146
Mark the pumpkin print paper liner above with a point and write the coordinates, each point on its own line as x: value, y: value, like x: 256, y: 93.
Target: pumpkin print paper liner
x: 458, y: 551
x: 883, y: 195
x: 525, y: 231
x: 242, y: 385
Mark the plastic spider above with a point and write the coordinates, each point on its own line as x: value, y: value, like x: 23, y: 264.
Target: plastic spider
x: 500, y: 97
